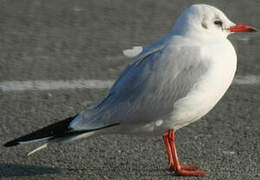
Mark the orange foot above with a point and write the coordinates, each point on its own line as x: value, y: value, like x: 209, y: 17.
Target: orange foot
x: 181, y: 170
x: 187, y: 170
x: 190, y: 167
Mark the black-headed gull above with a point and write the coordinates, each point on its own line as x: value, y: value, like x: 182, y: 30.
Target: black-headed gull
x: 170, y: 84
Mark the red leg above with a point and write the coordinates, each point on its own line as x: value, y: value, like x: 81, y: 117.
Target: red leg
x: 182, y: 170
x: 169, y: 151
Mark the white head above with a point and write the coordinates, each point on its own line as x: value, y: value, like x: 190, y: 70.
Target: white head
x: 205, y: 20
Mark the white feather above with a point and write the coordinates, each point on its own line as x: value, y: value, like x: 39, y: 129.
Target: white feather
x: 135, y: 51
x: 73, y: 138
x: 38, y: 149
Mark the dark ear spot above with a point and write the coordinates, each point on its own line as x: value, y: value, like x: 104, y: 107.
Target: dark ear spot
x: 204, y: 25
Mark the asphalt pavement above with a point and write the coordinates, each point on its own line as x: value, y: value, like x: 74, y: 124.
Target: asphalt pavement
x: 70, y: 40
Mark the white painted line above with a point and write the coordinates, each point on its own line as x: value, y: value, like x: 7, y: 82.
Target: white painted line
x: 247, y: 80
x: 43, y: 85
x: 53, y: 85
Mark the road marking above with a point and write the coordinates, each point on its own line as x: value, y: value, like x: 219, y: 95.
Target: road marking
x: 247, y: 80
x: 44, y: 85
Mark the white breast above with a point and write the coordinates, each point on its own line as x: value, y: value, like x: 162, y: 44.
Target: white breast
x: 211, y: 87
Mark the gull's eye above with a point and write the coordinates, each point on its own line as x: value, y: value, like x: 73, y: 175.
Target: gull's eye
x: 218, y: 22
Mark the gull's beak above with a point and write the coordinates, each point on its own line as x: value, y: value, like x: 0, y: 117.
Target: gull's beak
x: 242, y: 28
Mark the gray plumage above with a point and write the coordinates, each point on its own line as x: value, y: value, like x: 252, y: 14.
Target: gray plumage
x: 148, y: 88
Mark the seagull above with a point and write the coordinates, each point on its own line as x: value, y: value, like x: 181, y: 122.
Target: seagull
x: 171, y: 83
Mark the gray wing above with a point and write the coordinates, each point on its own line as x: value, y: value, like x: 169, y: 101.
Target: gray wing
x: 148, y: 88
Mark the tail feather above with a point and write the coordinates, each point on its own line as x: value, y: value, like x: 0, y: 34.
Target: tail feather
x: 58, y: 129
x: 57, y: 132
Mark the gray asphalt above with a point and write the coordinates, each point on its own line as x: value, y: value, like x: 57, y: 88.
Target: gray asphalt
x: 65, y: 40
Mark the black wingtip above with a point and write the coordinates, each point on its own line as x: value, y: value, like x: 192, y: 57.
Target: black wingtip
x: 57, y: 129
x: 53, y: 131
x: 11, y: 143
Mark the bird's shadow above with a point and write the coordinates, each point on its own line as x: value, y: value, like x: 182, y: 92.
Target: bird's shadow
x: 163, y: 172
x: 8, y: 170
x: 12, y: 170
